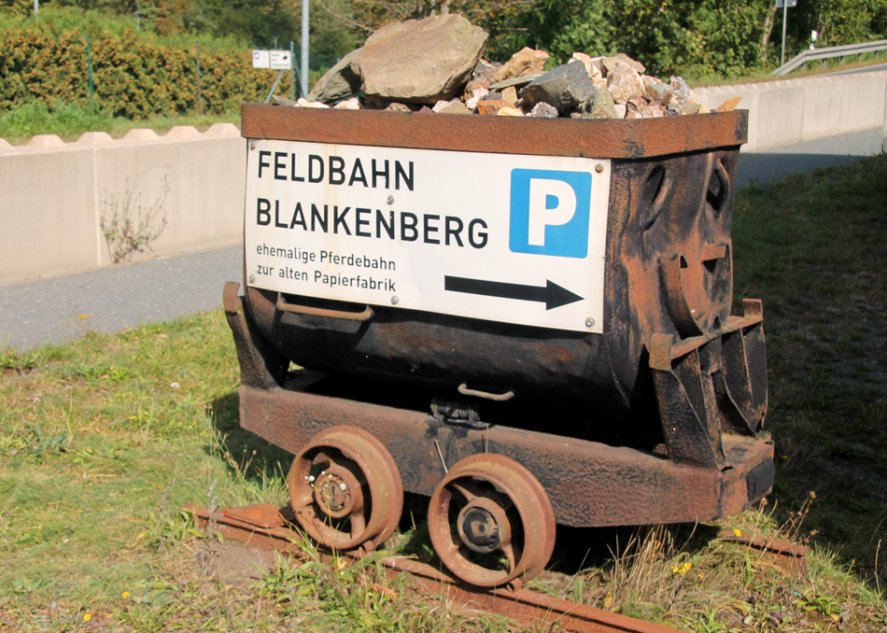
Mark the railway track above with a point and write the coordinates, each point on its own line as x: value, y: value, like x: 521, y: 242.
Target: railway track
x: 266, y: 527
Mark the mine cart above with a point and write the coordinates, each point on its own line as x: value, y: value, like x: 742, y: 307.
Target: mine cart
x: 528, y: 321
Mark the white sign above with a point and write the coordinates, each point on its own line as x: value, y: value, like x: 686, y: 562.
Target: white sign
x: 280, y: 60
x: 275, y: 60
x: 261, y: 59
x: 509, y: 238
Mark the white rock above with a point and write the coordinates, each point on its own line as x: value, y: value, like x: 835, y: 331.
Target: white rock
x: 348, y: 104
x: 304, y: 103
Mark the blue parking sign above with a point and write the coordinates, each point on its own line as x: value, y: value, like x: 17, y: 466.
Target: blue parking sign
x: 550, y: 212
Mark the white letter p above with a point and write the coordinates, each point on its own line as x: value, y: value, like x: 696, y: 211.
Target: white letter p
x: 552, y: 203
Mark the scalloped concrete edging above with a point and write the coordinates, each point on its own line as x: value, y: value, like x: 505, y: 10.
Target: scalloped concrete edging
x: 54, y: 194
x: 791, y: 111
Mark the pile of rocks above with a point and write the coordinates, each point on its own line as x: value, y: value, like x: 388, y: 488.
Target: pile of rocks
x: 435, y: 64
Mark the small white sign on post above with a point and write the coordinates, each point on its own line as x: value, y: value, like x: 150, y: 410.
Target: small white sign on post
x: 275, y: 60
x: 261, y: 59
x: 509, y: 238
x: 280, y: 60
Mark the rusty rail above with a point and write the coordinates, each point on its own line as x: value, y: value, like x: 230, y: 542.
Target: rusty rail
x: 265, y: 527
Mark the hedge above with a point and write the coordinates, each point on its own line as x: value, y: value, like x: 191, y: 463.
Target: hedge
x: 133, y: 76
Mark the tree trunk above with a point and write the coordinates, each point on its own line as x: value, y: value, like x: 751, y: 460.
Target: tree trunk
x: 768, y: 31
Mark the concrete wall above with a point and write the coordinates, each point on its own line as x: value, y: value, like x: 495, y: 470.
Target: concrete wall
x: 53, y: 195
x: 791, y: 111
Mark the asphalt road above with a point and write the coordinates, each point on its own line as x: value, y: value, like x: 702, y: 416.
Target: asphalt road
x: 118, y: 297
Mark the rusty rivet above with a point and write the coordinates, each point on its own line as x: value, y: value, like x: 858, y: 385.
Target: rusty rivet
x: 599, y: 168
x: 252, y: 146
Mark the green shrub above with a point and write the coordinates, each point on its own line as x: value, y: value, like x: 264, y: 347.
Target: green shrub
x: 135, y: 74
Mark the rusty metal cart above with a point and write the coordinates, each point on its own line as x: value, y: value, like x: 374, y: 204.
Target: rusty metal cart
x: 636, y: 398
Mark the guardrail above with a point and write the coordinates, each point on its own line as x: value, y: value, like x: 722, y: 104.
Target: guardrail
x: 828, y: 53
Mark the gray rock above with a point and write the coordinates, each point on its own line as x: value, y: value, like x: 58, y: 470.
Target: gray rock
x: 564, y: 87
x: 420, y: 61
x: 599, y: 106
x: 683, y: 99
x: 681, y: 89
x: 339, y: 82
x: 657, y: 91
x: 514, y: 81
x: 283, y: 101
x: 543, y: 110
x: 483, y: 70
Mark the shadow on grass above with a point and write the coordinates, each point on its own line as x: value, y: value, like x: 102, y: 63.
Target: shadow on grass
x: 245, y: 454
x: 812, y: 247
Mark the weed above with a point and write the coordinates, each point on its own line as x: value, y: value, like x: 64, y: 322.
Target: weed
x: 821, y: 603
x: 129, y: 225
x: 37, y: 443
x: 172, y: 529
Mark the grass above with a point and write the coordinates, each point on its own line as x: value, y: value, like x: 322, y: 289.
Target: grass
x: 809, y: 69
x: 103, y: 441
x: 69, y: 121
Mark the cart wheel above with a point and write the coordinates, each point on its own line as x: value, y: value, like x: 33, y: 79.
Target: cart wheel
x: 345, y: 489
x: 491, y: 522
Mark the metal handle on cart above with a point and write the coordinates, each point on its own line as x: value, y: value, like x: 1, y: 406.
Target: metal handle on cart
x: 284, y: 306
x: 496, y: 397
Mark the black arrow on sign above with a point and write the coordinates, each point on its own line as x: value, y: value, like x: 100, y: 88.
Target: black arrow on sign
x: 552, y: 295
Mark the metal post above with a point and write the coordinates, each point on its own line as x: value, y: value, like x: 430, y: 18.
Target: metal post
x: 36, y: 7
x: 784, y: 20
x: 274, y: 86
x: 292, y: 70
x: 199, y: 78
x: 305, y: 14
x: 89, y: 81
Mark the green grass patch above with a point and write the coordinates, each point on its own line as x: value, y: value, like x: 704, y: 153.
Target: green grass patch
x: 813, y: 247
x: 69, y: 121
x: 811, y: 68
x: 103, y: 441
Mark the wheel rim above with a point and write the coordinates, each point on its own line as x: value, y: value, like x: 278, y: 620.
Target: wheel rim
x: 491, y: 522
x: 345, y: 489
